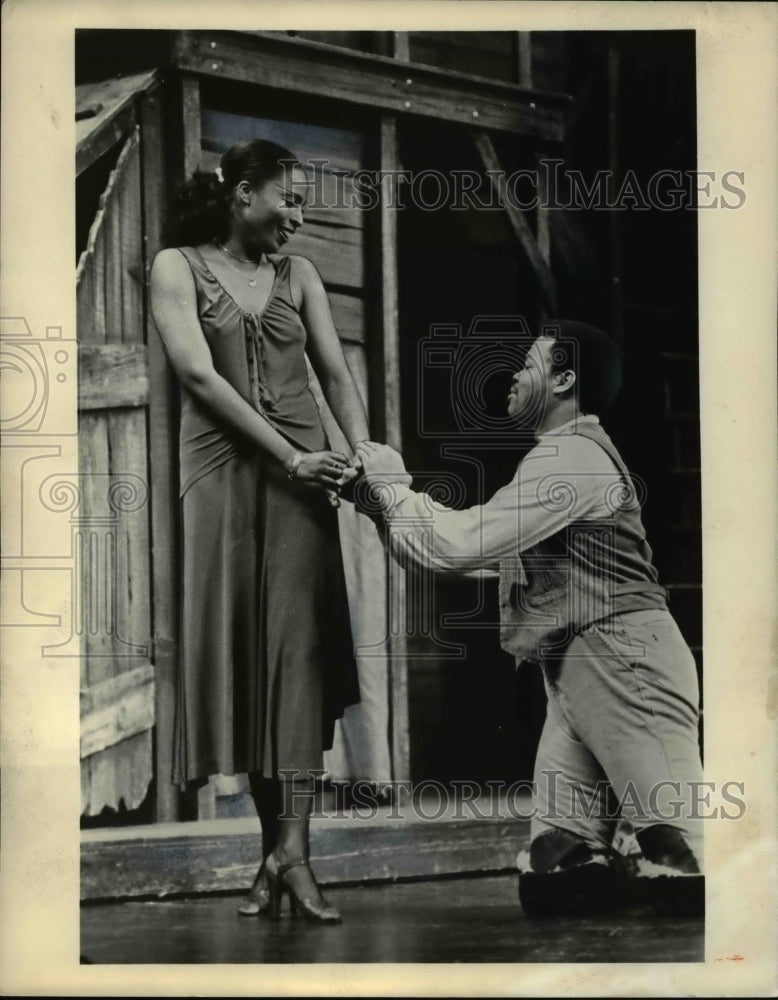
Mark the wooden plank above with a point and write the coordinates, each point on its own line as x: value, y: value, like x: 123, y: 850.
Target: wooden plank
x: 117, y: 708
x: 111, y: 375
x: 85, y: 294
x: 401, y: 45
x: 120, y: 775
x: 96, y: 134
x: 85, y: 774
x: 306, y: 67
x: 524, y: 51
x: 127, y: 435
x: 114, y: 258
x: 95, y: 571
x: 134, y: 768
x: 97, y: 697
x: 99, y: 265
x: 617, y: 294
x: 519, y: 224
x: 97, y: 548
x: 337, y: 253
x: 348, y: 314
x: 485, y: 54
x: 392, y: 421
x: 98, y: 143
x: 131, y: 249
x: 542, y: 215
x: 163, y: 461
x: 333, y: 162
x: 190, y: 122
x: 222, y: 854
x: 104, y: 257
x: 390, y: 163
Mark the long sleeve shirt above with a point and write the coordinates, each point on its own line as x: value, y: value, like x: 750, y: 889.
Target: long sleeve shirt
x: 565, y: 477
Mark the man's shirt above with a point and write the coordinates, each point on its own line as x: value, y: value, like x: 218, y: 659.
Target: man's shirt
x: 566, y: 477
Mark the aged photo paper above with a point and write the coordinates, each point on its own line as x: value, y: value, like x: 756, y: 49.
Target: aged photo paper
x: 737, y: 133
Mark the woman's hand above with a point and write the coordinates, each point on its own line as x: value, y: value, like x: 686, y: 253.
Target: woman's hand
x: 330, y: 469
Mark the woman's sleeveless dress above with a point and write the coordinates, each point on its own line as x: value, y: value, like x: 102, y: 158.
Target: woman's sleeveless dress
x: 267, y: 660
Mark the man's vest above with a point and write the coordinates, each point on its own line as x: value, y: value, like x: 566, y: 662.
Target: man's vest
x: 584, y: 573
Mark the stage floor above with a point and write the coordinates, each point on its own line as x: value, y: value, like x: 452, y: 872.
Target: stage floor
x: 475, y: 919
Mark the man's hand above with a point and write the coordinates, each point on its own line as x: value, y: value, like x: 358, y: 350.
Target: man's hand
x: 383, y: 462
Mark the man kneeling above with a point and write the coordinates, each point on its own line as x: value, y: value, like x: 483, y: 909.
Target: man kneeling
x: 579, y: 595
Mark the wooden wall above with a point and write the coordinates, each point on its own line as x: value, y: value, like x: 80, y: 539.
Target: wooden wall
x: 112, y: 541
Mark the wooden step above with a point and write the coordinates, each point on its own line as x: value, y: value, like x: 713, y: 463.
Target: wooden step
x: 386, y: 843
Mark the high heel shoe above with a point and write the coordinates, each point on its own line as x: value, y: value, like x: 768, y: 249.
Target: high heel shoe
x: 311, y: 909
x: 257, y: 900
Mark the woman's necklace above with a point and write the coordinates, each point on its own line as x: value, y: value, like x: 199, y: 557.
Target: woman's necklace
x: 253, y: 279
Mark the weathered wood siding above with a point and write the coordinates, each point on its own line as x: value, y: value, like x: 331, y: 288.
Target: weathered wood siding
x: 117, y: 702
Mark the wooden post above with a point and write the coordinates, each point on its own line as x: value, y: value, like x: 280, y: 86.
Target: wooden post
x: 402, y: 48
x: 387, y: 276
x: 163, y: 463
x: 191, y: 144
x: 524, y: 52
x: 617, y: 304
x: 542, y: 216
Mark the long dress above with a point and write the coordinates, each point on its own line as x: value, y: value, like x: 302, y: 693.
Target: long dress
x: 267, y: 660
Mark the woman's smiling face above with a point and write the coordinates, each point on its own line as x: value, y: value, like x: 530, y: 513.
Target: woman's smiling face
x: 273, y: 212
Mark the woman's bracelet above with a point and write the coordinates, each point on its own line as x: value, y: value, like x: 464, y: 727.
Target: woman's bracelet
x: 292, y: 467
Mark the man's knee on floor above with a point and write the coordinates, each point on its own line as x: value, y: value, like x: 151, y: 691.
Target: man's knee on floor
x: 558, y: 849
x: 666, y: 845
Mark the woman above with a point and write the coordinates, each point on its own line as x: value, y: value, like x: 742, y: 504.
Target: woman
x: 267, y: 660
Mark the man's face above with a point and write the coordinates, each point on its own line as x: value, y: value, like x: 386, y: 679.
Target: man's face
x: 531, y: 387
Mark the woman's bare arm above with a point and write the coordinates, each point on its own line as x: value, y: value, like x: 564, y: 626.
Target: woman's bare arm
x: 174, y: 308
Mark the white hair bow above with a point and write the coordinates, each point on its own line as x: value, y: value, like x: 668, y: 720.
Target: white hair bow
x: 219, y: 175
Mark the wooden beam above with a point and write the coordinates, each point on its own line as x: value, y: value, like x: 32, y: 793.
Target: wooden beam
x: 163, y: 460
x: 390, y: 166
x: 191, y: 123
x: 519, y: 224
x: 397, y: 651
x: 375, y: 81
x: 617, y: 293
x: 111, y: 375
x: 542, y: 213
x: 524, y: 46
x: 116, y: 117
x: 222, y: 854
x: 117, y: 708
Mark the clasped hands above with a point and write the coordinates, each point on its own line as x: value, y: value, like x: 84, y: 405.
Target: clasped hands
x: 332, y: 469
x: 382, y: 462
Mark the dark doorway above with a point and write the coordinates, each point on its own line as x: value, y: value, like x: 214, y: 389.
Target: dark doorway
x: 462, y: 289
